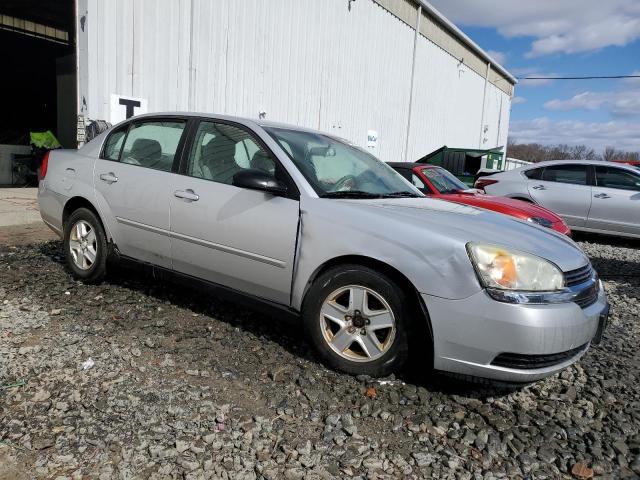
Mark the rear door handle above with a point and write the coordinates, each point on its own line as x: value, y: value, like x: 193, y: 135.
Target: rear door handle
x: 108, y: 177
x: 187, y: 194
x: 539, y: 187
x: 601, y: 195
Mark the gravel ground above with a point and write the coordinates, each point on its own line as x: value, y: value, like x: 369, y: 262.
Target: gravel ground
x: 137, y: 379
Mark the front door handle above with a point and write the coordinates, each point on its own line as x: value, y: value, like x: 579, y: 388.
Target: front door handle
x: 109, y: 177
x: 539, y: 187
x: 187, y: 194
x: 601, y: 195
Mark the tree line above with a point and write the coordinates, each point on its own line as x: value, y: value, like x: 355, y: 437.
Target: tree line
x: 535, y: 152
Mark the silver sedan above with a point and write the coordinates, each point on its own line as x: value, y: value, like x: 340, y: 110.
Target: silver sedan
x: 591, y: 196
x: 310, y: 225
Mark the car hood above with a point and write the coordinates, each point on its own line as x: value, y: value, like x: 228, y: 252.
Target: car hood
x: 506, y: 205
x: 422, y: 219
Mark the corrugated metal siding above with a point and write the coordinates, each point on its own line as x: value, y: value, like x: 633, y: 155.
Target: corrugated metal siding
x: 441, y: 37
x: 447, y: 105
x: 434, y: 31
x: 496, y: 118
x: 314, y: 64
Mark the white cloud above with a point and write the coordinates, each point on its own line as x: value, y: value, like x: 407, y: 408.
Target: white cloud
x: 518, y: 100
x: 498, y: 56
x: 597, y: 135
x: 622, y: 102
x: 557, y: 26
x: 584, y: 101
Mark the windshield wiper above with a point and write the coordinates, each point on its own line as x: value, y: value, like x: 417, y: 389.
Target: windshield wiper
x: 400, y: 195
x: 350, y: 194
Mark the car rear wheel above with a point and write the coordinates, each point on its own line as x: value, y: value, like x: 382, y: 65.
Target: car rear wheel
x: 85, y: 246
x: 357, y: 321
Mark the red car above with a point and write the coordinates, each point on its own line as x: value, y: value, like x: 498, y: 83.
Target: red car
x: 633, y: 163
x: 437, y: 182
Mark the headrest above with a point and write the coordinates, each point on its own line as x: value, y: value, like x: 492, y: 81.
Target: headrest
x: 219, y: 148
x: 146, y: 149
x: 261, y: 161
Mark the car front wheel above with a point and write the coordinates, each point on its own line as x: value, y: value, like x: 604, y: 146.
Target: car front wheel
x: 85, y: 246
x: 357, y: 321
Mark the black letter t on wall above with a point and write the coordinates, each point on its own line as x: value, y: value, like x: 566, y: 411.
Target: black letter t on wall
x: 130, y: 105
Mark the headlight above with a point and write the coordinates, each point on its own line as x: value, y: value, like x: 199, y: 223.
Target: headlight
x: 541, y: 221
x: 504, y: 269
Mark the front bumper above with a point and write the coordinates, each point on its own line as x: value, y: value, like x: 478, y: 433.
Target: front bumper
x: 470, y: 334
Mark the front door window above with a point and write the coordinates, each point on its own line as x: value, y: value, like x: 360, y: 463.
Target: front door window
x: 220, y: 151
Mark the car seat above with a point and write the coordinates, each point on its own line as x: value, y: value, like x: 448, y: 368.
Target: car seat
x: 261, y: 161
x: 146, y: 152
x: 218, y: 159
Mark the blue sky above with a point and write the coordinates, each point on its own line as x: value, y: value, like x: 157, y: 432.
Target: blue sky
x: 563, y: 38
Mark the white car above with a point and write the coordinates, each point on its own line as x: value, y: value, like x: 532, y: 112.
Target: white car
x: 591, y: 196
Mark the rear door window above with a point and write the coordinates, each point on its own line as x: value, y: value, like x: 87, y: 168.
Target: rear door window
x: 612, y: 177
x: 572, y: 174
x: 153, y: 144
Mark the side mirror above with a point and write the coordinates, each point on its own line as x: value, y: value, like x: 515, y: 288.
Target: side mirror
x: 254, y: 179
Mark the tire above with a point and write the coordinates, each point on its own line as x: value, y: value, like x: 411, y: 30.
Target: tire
x: 90, y: 266
x: 332, y: 293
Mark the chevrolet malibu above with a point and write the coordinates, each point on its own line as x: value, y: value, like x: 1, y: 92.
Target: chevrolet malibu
x: 304, y: 222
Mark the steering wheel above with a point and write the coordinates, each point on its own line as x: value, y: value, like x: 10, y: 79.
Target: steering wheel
x: 345, y: 183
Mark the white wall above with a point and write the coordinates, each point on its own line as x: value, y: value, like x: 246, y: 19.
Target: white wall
x: 496, y: 117
x: 312, y: 63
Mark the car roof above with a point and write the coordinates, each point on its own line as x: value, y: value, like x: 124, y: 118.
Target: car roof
x: 410, y: 165
x: 231, y: 118
x: 402, y: 164
x: 548, y: 163
x: 568, y: 162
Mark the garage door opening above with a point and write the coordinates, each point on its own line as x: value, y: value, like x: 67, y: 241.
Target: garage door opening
x: 37, y: 47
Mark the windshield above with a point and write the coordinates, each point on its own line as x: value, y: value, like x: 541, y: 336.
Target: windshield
x: 336, y: 169
x: 443, y: 180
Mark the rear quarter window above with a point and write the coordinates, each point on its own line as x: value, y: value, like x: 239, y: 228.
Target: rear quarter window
x: 533, y: 174
x: 113, y: 144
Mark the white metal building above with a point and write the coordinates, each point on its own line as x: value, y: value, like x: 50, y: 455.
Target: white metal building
x: 393, y: 75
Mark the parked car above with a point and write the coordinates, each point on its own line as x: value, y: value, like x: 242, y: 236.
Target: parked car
x: 302, y: 222
x: 437, y: 182
x: 635, y: 163
x: 591, y: 196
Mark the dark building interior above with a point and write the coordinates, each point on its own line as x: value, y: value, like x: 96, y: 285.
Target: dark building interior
x: 37, y: 47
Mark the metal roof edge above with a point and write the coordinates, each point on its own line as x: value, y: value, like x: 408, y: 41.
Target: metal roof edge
x: 465, y: 39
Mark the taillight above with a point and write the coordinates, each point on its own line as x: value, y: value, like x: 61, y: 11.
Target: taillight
x: 44, y: 165
x: 483, y: 182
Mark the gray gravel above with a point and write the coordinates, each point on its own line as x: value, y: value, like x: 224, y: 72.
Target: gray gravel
x: 137, y: 379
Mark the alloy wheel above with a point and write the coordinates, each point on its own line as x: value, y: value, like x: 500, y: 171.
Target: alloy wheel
x: 83, y: 245
x: 357, y: 323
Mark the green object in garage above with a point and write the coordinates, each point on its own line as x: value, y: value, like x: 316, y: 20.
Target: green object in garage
x: 465, y: 163
x: 45, y: 140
